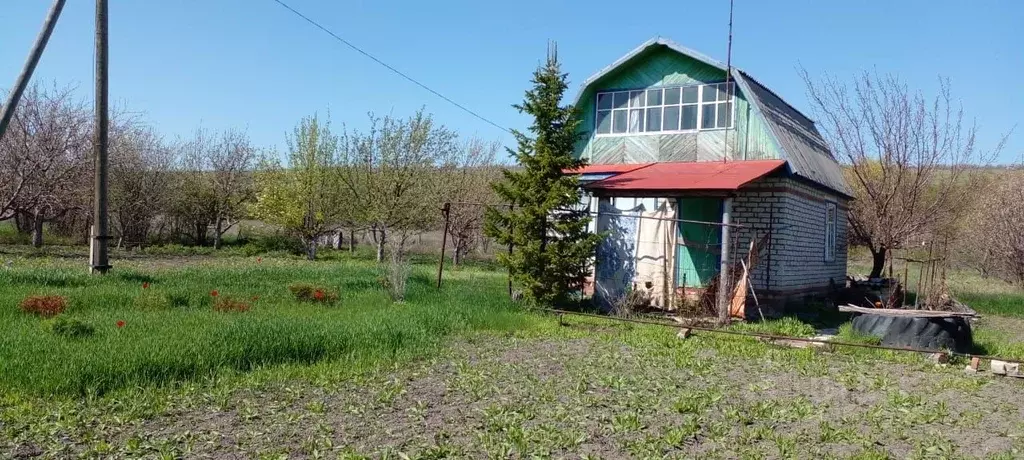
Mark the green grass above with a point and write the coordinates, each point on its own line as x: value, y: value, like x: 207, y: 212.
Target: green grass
x: 172, y: 335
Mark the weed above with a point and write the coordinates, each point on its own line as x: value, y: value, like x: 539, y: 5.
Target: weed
x: 305, y: 292
x: 227, y: 305
x: 46, y: 306
x: 71, y: 327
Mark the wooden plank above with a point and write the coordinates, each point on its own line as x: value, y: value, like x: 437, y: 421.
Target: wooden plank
x: 902, y: 312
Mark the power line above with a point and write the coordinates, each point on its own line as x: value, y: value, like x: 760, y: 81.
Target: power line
x: 389, y: 67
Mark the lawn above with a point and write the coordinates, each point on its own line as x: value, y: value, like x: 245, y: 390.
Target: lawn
x: 459, y: 372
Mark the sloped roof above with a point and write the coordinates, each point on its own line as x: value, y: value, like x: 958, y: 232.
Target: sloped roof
x: 690, y: 175
x: 805, y: 151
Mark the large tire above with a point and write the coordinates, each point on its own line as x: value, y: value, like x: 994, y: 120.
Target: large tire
x: 927, y: 333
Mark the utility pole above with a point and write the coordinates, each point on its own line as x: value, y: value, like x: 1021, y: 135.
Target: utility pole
x: 30, y: 65
x: 98, y: 261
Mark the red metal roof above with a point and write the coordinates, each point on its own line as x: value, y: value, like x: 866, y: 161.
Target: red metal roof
x: 704, y: 175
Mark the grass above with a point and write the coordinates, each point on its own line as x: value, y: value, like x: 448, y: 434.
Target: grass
x: 171, y: 333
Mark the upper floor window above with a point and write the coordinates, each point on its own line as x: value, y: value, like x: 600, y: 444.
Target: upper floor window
x: 680, y: 108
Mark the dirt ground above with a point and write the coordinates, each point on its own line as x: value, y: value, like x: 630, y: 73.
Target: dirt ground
x: 596, y: 396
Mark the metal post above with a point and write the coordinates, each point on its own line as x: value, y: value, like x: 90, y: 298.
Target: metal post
x: 446, y: 210
x: 511, y: 208
x: 723, y: 275
x: 98, y: 260
x: 30, y: 65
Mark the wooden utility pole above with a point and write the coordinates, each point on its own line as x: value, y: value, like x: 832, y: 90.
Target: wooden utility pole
x: 98, y: 261
x: 30, y: 65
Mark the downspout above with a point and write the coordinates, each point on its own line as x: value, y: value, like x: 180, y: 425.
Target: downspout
x: 723, y: 274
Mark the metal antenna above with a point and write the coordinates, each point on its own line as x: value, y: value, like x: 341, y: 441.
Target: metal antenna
x: 728, y: 85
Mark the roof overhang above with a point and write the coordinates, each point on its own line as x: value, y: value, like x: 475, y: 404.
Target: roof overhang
x: 703, y: 176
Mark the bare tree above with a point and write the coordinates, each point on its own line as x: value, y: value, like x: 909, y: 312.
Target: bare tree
x: 468, y: 177
x: 389, y: 173
x: 141, y: 180
x: 999, y: 229
x: 44, y: 158
x: 215, y: 183
x: 909, y: 158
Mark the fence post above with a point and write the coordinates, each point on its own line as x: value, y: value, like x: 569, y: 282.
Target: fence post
x: 511, y: 208
x: 446, y: 210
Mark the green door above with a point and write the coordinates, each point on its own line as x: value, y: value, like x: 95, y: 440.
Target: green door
x: 698, y: 250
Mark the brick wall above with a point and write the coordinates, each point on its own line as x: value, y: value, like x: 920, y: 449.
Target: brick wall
x: 795, y: 212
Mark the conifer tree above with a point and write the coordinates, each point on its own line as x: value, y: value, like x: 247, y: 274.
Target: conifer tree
x: 553, y: 249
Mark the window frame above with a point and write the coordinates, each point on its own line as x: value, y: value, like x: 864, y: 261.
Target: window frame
x: 644, y: 108
x: 831, y: 231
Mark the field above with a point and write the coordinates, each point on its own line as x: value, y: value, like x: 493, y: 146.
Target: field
x: 459, y: 372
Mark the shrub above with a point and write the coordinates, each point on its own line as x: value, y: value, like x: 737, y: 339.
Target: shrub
x: 227, y: 305
x: 46, y: 306
x: 71, y: 328
x: 305, y: 292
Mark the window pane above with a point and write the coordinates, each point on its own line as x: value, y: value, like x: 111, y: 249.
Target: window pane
x: 636, y: 98
x: 724, y: 114
x: 619, y: 121
x: 689, y: 117
x: 671, y: 118
x: 604, y: 101
x: 707, y: 117
x: 671, y: 96
x: 653, y: 97
x: 723, y: 91
x: 653, y: 118
x: 709, y: 93
x: 621, y: 99
x: 604, y: 121
x: 636, y: 120
x: 690, y: 94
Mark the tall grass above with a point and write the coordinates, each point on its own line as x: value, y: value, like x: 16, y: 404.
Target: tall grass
x: 182, y: 338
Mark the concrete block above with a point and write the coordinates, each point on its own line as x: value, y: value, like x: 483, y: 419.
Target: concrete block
x: 998, y: 367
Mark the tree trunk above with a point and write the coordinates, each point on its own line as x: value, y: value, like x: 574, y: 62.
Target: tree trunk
x: 37, y: 230
x: 311, y: 249
x: 878, y: 261
x: 23, y: 222
x: 352, y: 241
x: 456, y: 251
x: 381, y: 238
x: 200, y: 233
x: 217, y: 233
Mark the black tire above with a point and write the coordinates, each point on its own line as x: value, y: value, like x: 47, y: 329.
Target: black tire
x: 927, y: 333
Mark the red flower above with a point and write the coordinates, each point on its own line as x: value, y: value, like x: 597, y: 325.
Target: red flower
x: 145, y: 285
x: 120, y: 323
x: 214, y: 293
x: 318, y: 294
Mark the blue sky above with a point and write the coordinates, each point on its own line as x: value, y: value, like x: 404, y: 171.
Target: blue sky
x: 251, y: 64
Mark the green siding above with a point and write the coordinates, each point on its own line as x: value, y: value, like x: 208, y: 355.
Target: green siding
x: 661, y: 66
x: 699, y: 251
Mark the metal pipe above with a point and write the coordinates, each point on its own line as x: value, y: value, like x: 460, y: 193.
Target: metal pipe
x: 30, y: 65
x: 446, y: 210
x: 723, y: 275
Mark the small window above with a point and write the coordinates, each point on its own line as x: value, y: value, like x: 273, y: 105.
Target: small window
x: 830, y: 232
x: 671, y: 118
x: 653, y: 97
x: 653, y: 118
x: 671, y: 96
x: 689, y: 117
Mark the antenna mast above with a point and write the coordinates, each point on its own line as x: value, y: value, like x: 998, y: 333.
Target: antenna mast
x: 728, y: 85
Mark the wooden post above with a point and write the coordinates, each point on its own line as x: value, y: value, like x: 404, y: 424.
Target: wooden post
x: 723, y: 275
x: 446, y: 210
x: 30, y: 66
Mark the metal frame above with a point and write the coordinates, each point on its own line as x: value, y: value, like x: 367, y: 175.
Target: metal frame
x: 731, y: 100
x: 830, y: 247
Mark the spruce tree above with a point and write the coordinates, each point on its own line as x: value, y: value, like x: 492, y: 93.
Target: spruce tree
x: 553, y: 249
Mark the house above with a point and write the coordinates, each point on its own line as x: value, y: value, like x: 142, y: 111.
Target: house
x: 688, y: 164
